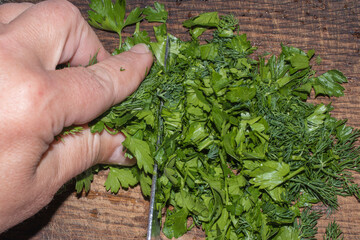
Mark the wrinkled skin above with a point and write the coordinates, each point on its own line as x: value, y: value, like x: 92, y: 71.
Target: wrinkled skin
x: 37, y: 102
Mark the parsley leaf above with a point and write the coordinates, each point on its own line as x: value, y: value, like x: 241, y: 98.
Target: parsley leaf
x: 209, y: 19
x: 83, y: 181
x: 266, y: 175
x: 175, y: 224
x: 328, y: 84
x: 110, y: 16
x: 141, y: 151
x: 120, y: 176
x: 157, y: 14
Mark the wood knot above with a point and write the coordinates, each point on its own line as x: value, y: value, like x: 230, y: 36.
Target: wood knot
x: 94, y: 213
x: 356, y: 34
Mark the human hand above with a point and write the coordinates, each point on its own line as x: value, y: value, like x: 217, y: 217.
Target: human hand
x: 37, y: 102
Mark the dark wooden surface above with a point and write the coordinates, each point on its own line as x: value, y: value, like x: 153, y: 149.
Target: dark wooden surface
x: 332, y: 28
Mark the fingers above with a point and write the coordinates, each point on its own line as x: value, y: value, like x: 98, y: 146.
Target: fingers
x: 54, y: 32
x: 87, y: 92
x: 10, y: 11
x: 76, y: 153
x: 63, y: 161
x: 34, y: 39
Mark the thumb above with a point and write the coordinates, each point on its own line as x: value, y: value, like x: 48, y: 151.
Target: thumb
x: 73, y: 154
x: 100, y: 86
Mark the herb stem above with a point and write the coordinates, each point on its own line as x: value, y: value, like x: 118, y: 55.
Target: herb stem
x: 291, y: 175
x: 120, y: 40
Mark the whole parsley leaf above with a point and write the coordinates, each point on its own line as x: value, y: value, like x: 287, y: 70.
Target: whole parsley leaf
x: 141, y: 151
x: 110, y: 16
x: 121, y: 177
x: 157, y: 14
x: 209, y: 19
x: 329, y: 84
x: 268, y: 174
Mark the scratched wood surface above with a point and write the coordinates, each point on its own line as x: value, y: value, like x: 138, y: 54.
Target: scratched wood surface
x: 332, y: 28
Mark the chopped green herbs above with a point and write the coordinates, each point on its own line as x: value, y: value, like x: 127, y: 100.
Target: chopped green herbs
x: 69, y: 131
x: 243, y: 154
x: 333, y: 232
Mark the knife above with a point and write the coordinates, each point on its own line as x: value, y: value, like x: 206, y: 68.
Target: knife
x: 153, y: 231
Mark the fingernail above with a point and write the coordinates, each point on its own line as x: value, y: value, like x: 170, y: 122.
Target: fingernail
x: 117, y: 157
x: 140, y: 48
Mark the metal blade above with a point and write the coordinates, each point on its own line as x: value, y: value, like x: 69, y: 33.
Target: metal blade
x: 167, y: 51
x: 153, y: 231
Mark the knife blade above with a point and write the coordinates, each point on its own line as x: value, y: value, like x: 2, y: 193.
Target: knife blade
x: 153, y: 231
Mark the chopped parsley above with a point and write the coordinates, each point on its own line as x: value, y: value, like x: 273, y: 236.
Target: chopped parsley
x: 243, y: 154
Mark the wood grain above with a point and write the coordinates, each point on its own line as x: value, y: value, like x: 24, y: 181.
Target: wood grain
x: 330, y: 27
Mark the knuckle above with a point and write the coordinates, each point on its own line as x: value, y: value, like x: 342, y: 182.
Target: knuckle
x: 89, y: 153
x: 31, y: 94
x: 31, y: 98
x: 125, y: 82
x: 94, y: 144
x: 61, y: 11
x: 102, y: 78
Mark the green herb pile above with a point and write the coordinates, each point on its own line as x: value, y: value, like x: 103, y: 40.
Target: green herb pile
x: 243, y: 154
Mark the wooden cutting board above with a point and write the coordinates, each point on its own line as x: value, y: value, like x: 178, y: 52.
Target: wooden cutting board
x: 330, y: 27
